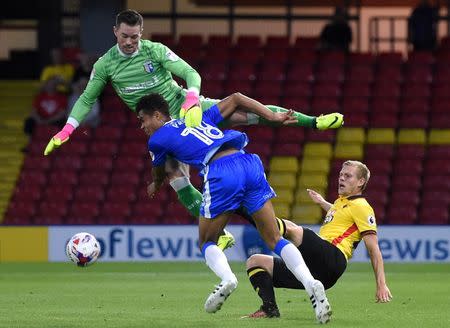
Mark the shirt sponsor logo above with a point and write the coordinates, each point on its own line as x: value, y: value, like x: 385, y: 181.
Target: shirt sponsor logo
x: 172, y: 56
x: 329, y: 217
x: 148, y: 66
x: 92, y: 74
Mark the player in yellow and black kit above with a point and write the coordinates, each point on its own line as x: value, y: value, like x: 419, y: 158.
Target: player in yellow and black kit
x: 348, y: 220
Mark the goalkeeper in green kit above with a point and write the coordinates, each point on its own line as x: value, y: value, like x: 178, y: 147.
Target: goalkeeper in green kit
x: 138, y: 67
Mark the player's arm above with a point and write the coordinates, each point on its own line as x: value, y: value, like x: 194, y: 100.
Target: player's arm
x: 383, y: 293
x: 240, y: 102
x: 158, y: 175
x: 177, y: 66
x: 318, y: 199
x: 81, y: 107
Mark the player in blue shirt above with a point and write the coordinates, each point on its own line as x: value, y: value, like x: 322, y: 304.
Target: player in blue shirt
x: 232, y: 179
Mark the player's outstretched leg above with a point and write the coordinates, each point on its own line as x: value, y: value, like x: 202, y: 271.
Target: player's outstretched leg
x: 320, y: 302
x: 219, y: 295
x: 322, y: 122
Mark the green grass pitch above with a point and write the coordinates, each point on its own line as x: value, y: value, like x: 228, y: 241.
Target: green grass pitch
x: 172, y: 295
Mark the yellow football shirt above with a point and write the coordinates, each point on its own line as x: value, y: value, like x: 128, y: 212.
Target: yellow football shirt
x: 348, y: 219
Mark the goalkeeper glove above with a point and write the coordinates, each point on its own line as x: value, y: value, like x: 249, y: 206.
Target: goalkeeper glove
x: 191, y: 101
x: 59, y: 138
x: 193, y: 117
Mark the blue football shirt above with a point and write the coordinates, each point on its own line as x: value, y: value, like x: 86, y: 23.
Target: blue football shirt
x: 193, y: 146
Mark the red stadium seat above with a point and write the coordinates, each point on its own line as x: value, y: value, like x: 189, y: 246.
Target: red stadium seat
x: 327, y: 89
x: 437, y: 152
x: 440, y: 166
x: 44, y: 132
x: 19, y: 213
x: 330, y: 74
x: 433, y: 215
x: 74, y: 148
x: 114, y: 213
x: 129, y: 178
x: 404, y: 197
x: 130, y: 164
x: 261, y: 148
x: 386, y: 89
x: 125, y: 193
x: 93, y: 178
x: 134, y: 149
x: 27, y: 193
x: 166, y: 39
x: 194, y: 41
x: 290, y: 134
x: 63, y: 177
x: 257, y: 133
x: 354, y: 105
x: 36, y: 163
x: 361, y: 59
x: 107, y: 133
x: 219, y: 41
x: 436, y: 198
x: 83, y: 213
x: 360, y: 74
x: 379, y: 152
x: 389, y: 59
x: 420, y: 58
x: 401, y: 214
x: 410, y: 152
x: 438, y: 182
x: 89, y: 193
x: 287, y: 149
x: 383, y: 120
x: 302, y: 73
x: 253, y: 42
x: 406, y: 182
x: 71, y: 163
x: 277, y: 41
x: 407, y: 167
x: 51, y: 212
x: 28, y: 177
x: 103, y: 148
x: 61, y: 192
x: 356, y: 89
x: 308, y: 43
x: 332, y: 58
x: 298, y: 89
x: 381, y: 183
x: 133, y: 134
x: 356, y: 119
x: 379, y: 167
x: 267, y: 88
x: 149, y: 208
x: 320, y: 136
x: 98, y: 163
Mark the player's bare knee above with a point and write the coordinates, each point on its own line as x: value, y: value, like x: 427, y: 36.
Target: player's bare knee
x: 262, y: 261
x: 254, y: 260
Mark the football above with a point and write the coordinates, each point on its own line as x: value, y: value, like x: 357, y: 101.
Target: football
x: 83, y: 249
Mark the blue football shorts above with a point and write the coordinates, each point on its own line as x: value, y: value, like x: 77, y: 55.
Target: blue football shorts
x: 235, y: 181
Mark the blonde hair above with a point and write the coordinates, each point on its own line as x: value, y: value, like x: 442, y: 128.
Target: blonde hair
x: 363, y: 171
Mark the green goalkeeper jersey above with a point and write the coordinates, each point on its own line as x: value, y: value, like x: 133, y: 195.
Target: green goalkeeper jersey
x: 149, y: 70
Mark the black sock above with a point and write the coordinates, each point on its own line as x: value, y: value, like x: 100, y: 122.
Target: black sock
x: 262, y: 284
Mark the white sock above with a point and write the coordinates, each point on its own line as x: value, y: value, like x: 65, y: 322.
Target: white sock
x: 295, y: 263
x: 218, y: 263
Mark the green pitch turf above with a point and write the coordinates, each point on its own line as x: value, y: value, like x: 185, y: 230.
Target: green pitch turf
x: 172, y: 295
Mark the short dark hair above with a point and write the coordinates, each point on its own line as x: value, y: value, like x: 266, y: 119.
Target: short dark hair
x: 129, y: 17
x: 152, y: 103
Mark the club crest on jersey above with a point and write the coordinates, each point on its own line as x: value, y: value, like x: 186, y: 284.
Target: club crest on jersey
x: 329, y: 217
x: 148, y: 66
